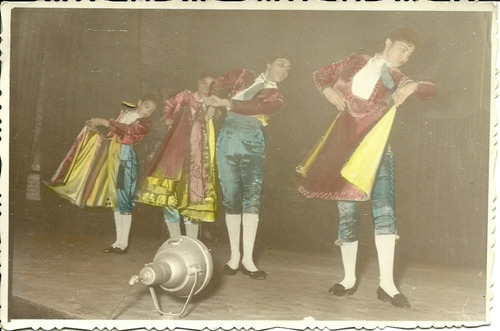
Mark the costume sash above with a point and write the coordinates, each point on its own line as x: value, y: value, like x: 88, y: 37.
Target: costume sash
x: 362, y: 166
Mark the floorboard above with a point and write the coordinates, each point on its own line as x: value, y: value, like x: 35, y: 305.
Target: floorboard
x: 68, y: 277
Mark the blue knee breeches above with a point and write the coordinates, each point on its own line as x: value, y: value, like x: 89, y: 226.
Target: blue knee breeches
x: 382, y: 205
x: 240, y: 157
x: 126, y: 179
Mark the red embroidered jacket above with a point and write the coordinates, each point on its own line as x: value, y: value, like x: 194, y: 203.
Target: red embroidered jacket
x: 266, y: 102
x: 323, y: 180
x: 130, y: 134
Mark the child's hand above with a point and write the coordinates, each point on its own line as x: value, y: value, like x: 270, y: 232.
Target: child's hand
x: 404, y: 92
x: 210, y: 112
x: 215, y: 101
x: 169, y: 121
x: 335, y: 97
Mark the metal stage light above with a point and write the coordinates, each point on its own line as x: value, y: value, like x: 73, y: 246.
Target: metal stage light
x: 182, y: 267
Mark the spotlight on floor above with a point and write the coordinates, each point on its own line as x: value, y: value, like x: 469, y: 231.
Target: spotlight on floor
x: 182, y: 267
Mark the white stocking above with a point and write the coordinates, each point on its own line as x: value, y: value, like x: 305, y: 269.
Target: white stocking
x: 126, y: 225
x: 174, y: 229
x: 191, y: 228
x: 233, y: 223
x: 250, y: 225
x: 118, y: 228
x: 385, y: 249
x: 349, y: 254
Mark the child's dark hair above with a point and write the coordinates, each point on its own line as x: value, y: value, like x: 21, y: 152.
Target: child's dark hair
x: 150, y: 97
x: 268, y: 58
x: 279, y: 55
x: 405, y: 34
x: 206, y: 74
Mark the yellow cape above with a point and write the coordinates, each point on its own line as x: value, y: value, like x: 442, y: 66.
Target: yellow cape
x: 305, y: 165
x: 362, y: 166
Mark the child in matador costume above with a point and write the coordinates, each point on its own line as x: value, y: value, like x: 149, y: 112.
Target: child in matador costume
x: 353, y: 162
x: 102, y: 170
x: 181, y: 176
x: 250, y: 99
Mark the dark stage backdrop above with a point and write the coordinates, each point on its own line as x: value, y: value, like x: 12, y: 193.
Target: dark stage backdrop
x: 72, y: 64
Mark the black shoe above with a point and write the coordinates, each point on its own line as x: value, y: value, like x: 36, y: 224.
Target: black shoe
x: 398, y: 300
x: 259, y: 274
x: 120, y: 251
x: 229, y: 271
x: 109, y: 249
x: 340, y: 291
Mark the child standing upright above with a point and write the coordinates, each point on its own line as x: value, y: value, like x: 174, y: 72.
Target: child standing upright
x: 366, y: 91
x: 249, y: 99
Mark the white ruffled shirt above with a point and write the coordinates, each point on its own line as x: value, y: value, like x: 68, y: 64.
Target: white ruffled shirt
x: 364, y: 81
x: 260, y: 79
x: 129, y: 117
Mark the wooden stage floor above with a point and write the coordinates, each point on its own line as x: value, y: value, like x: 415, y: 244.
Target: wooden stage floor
x: 67, y: 277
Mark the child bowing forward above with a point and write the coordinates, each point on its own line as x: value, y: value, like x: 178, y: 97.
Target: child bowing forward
x: 102, y: 171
